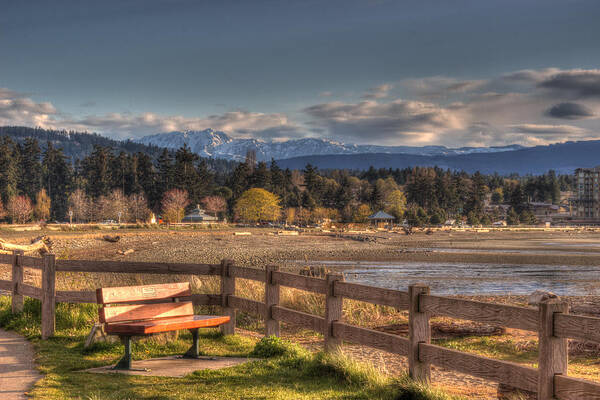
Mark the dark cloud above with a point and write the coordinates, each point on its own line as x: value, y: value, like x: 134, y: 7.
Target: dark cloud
x: 578, y: 83
x: 539, y: 129
x: 569, y: 111
x: 398, y: 120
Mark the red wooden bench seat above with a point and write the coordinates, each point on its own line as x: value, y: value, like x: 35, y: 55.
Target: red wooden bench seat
x: 166, y: 312
x: 165, y: 325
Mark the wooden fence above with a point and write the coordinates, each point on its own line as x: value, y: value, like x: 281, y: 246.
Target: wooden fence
x: 551, y: 320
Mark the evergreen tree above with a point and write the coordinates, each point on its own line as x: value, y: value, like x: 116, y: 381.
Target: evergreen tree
x: 261, y: 177
x: 239, y: 180
x: 8, y: 170
x: 57, y: 180
x: 307, y: 201
x: 30, y: 181
x: 517, y: 199
x: 146, y: 177
x: 186, y: 176
x: 310, y: 178
x: 97, y: 171
x: 118, y: 171
x: 166, y: 173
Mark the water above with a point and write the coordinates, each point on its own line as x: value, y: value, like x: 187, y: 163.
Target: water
x: 473, y: 279
x: 506, y: 251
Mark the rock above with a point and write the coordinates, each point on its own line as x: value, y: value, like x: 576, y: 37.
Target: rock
x: 124, y: 253
x: 111, y: 239
x: 539, y: 296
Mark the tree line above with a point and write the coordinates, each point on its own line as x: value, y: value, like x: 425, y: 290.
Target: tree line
x: 44, y: 184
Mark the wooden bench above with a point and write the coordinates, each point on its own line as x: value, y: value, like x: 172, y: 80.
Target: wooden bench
x: 145, y: 310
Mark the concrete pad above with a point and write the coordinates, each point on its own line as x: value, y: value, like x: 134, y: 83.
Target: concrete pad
x: 173, y: 366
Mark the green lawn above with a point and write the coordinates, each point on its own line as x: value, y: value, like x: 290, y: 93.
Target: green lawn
x: 284, y: 371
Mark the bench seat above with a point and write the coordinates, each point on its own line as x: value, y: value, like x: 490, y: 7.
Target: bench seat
x: 165, y: 324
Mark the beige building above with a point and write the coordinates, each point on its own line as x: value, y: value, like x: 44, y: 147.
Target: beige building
x: 586, y: 201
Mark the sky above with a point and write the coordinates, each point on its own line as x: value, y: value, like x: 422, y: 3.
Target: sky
x: 454, y: 73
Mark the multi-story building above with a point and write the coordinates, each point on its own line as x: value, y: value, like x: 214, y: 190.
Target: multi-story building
x: 586, y: 202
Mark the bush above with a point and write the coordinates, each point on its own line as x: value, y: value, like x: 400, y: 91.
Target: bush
x: 272, y: 346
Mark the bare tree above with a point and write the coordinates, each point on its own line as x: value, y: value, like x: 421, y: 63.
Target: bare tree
x: 138, y: 207
x: 113, y: 207
x: 80, y: 205
x: 20, y: 209
x: 214, y: 204
x: 120, y: 205
x: 173, y: 205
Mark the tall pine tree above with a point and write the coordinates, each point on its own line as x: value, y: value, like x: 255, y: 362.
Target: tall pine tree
x: 30, y: 181
x: 57, y: 178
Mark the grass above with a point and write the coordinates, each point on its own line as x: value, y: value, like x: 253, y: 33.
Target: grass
x: 521, y: 350
x: 283, y: 370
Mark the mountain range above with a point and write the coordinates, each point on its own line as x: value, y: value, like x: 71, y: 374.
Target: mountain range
x: 563, y: 158
x: 221, y: 151
x: 215, y: 144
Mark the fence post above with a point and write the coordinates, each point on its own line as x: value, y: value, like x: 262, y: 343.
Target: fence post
x: 17, y: 280
x: 271, y: 299
x: 419, y: 331
x: 227, y: 289
x: 333, y: 311
x: 48, y: 296
x: 553, y: 351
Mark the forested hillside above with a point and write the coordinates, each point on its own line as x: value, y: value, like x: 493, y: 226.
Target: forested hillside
x: 41, y: 183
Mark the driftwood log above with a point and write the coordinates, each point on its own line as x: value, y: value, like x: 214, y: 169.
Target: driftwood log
x: 41, y: 244
x: 112, y: 239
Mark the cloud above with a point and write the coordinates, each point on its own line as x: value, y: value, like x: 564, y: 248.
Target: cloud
x: 569, y: 111
x: 378, y: 92
x: 547, y: 129
x: 395, y: 121
x: 517, y: 107
x: 530, y: 75
x: 237, y: 123
x: 440, y: 86
x: 578, y: 83
x: 17, y: 109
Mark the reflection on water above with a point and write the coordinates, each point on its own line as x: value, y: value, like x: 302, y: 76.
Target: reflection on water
x: 471, y: 279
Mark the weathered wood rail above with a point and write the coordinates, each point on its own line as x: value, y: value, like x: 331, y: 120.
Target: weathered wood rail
x: 551, y: 320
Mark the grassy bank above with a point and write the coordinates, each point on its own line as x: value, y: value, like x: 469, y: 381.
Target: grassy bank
x: 281, y: 371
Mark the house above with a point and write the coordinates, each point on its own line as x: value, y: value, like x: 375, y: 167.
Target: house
x: 543, y: 211
x: 381, y: 218
x: 198, y: 215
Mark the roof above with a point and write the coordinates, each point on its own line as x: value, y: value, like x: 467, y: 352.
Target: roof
x: 381, y: 215
x: 198, y: 214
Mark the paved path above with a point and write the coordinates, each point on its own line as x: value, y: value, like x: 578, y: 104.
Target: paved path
x: 17, y: 369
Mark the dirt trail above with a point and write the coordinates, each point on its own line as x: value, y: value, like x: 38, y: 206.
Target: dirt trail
x: 17, y: 369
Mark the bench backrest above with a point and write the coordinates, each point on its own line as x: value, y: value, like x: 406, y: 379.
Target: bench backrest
x: 163, y: 297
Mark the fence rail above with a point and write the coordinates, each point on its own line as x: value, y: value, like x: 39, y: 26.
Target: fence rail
x: 551, y: 320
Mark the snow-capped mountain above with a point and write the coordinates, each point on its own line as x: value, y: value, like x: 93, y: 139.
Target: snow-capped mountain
x: 215, y: 144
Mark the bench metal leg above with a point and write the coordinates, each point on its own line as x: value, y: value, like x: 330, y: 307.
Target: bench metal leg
x: 125, y: 361
x: 194, y: 351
